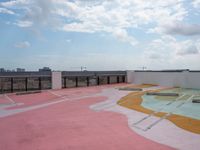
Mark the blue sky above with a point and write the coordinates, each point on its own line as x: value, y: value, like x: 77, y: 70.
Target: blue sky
x: 100, y: 34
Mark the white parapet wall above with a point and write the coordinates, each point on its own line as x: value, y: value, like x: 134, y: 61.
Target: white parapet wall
x: 193, y: 80
x: 130, y: 76
x: 184, y: 79
x: 56, y: 80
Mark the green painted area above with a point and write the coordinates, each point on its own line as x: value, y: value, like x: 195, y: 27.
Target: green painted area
x: 182, y: 106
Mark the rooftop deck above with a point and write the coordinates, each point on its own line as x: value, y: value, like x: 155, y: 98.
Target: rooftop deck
x: 83, y: 118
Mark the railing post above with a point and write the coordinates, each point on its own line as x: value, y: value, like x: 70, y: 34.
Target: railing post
x: 76, y: 81
x: 26, y: 84
x: 98, y: 80
x: 117, y: 79
x: 123, y: 79
x: 40, y: 85
x: 65, y: 83
x: 88, y: 81
x: 11, y: 84
x: 108, y: 79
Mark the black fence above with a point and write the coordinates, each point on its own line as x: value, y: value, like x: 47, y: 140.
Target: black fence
x: 24, y: 81
x: 82, y: 81
x: 17, y: 84
x: 91, y: 78
x: 27, y: 81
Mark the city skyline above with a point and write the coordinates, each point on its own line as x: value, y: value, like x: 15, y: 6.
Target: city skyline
x: 100, y: 35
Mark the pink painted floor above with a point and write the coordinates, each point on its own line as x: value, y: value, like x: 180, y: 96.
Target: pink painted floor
x: 32, y: 99
x: 45, y: 96
x: 71, y: 125
x: 3, y: 100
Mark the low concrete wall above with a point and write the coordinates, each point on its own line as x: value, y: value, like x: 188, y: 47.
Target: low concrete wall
x: 56, y: 80
x: 183, y: 79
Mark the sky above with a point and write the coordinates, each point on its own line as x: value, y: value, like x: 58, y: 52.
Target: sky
x: 100, y: 34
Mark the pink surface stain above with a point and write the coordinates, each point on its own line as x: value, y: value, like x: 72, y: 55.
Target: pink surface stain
x: 71, y: 125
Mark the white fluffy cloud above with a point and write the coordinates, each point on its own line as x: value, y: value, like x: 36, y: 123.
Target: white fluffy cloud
x: 169, y: 53
x: 178, y: 28
x: 196, y: 3
x: 168, y: 48
x: 24, y: 44
x: 99, y: 16
x: 22, y: 23
x: 187, y: 47
x: 108, y: 16
x: 123, y: 36
x: 6, y: 11
x: 15, y: 3
x: 68, y: 40
x: 118, y: 17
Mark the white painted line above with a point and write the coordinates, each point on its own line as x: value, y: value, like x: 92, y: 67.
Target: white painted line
x: 159, y: 110
x: 54, y: 93
x: 20, y: 110
x: 168, y: 114
x: 139, y: 128
x: 106, y: 107
x: 102, y: 104
x: 10, y: 99
x: 190, y: 98
x: 159, y: 120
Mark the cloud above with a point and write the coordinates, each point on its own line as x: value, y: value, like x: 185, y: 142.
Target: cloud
x: 154, y: 56
x: 15, y: 3
x: 6, y: 11
x: 99, y: 16
x: 187, y: 48
x: 24, y: 44
x: 78, y: 27
x: 196, y: 3
x: 188, y: 51
x: 167, y: 52
x: 103, y: 14
x: 68, y: 40
x: 34, y: 12
x: 21, y: 23
x: 107, y: 16
x: 123, y: 36
x: 40, y: 13
x: 179, y: 29
x: 167, y: 48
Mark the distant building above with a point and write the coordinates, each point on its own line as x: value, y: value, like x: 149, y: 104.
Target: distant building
x: 20, y: 70
x: 44, y: 69
x: 2, y: 70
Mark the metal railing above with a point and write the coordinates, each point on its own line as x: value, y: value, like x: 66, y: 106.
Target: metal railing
x: 16, y: 84
x: 81, y: 81
x: 27, y: 81
x: 91, y: 78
